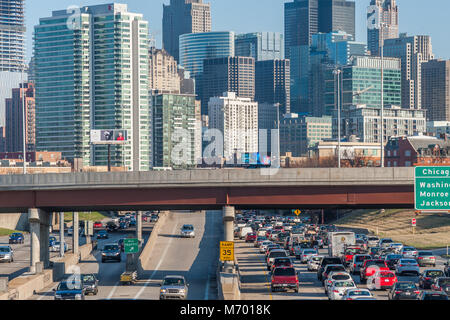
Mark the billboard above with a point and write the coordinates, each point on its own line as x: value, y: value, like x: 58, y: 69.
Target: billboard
x: 109, y: 136
x: 255, y: 159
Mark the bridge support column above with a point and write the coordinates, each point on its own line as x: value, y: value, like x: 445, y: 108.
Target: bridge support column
x: 61, y: 234
x: 139, y: 226
x: 76, y: 234
x: 35, y: 234
x: 228, y: 219
x: 45, y: 223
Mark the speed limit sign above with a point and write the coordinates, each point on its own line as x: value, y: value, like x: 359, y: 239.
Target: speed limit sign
x: 227, y: 250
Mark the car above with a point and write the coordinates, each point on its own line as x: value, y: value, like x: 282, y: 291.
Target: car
x: 372, y: 241
x: 69, y: 290
x: 358, y: 294
x: 426, y: 258
x: 102, y: 234
x: 306, y: 253
x: 51, y: 241
x: 335, y: 276
x: 111, y: 252
x: 6, y: 254
x: 173, y: 287
x: 370, y: 267
x: 324, y: 262
x: 271, y: 247
x: 404, y: 290
x: 314, y: 262
x: 447, y: 268
x: 407, y: 266
x: 441, y: 284
x: 111, y: 226
x: 90, y: 283
x: 56, y: 246
x: 132, y: 222
x: 284, y: 278
x: 338, y: 289
x: 264, y: 246
x: 250, y: 237
x: 16, y: 237
x: 276, y: 253
x: 396, y: 246
x: 381, y: 280
x: 347, y: 257
x: 391, y: 260
x: 121, y: 244
x: 357, y: 262
x: 281, y: 262
x: 427, y: 277
x: 259, y: 240
x: 154, y: 218
x: 375, y: 252
x: 385, y: 242
x: 123, y: 225
x: 331, y: 268
x: 409, y: 252
x: 432, y: 295
x: 98, y: 225
x: 187, y: 231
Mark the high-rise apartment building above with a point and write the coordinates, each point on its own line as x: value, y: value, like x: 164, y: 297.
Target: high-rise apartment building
x: 272, y: 83
x: 260, y: 45
x: 176, y: 131
x: 182, y: 17
x: 303, y: 18
x: 230, y: 74
x: 12, y: 49
x: 163, y: 72
x: 413, y: 51
x: 436, y: 89
x: 237, y: 119
x: 15, y: 121
x: 387, y: 11
x: 92, y: 73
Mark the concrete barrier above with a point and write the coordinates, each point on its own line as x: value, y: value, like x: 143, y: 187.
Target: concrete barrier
x: 62, y: 266
x: 228, y: 284
x: 147, y: 250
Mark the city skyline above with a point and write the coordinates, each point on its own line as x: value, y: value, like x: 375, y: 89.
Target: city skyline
x: 248, y: 19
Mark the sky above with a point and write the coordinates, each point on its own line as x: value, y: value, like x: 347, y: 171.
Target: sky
x: 417, y: 17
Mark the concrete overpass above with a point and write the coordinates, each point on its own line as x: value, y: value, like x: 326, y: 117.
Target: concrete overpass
x: 210, y: 189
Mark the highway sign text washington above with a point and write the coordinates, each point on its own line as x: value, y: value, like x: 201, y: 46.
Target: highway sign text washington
x: 432, y: 188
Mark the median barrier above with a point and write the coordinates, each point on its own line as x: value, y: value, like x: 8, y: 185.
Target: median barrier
x: 23, y: 287
x: 228, y: 284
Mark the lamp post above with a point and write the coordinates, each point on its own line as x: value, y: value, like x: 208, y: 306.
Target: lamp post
x: 382, y: 92
x: 337, y: 73
x: 24, y: 129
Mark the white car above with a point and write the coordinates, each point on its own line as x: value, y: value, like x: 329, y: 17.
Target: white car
x: 409, y: 252
x: 335, y: 276
x: 372, y: 241
x: 314, y: 262
x: 407, y: 266
x: 6, y: 254
x: 264, y: 246
x: 397, y: 246
x: 338, y: 289
x: 187, y: 231
x: 358, y: 294
x: 56, y: 245
x: 306, y: 253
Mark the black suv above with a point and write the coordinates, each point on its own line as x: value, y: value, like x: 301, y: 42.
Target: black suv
x: 324, y: 263
x: 404, y: 290
x: 111, y: 252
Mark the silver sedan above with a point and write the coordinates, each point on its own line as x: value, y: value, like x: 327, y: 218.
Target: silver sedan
x: 407, y: 266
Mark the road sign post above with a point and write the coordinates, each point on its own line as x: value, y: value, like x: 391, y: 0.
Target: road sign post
x: 432, y: 188
x: 226, y: 251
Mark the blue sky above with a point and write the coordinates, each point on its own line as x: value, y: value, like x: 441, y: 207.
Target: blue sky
x: 416, y: 17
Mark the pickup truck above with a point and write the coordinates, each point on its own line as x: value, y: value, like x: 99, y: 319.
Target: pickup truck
x: 284, y: 278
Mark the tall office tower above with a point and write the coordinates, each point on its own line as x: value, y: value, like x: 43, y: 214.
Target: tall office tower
x: 413, y: 51
x: 303, y: 18
x: 163, y: 72
x: 12, y: 49
x: 230, y: 74
x: 361, y: 83
x: 237, y: 119
x: 176, y: 129
x: 92, y: 73
x: 2, y: 139
x: 388, y: 16
x: 14, y: 119
x: 436, y: 89
x: 268, y: 115
x: 273, y: 83
x: 181, y: 17
x: 260, y: 45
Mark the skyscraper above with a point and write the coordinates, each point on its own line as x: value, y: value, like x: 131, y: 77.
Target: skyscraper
x: 181, y: 17
x: 388, y: 16
x: 163, y: 72
x: 230, y: 74
x: 12, y: 49
x: 93, y: 74
x: 272, y: 83
x: 436, y: 89
x: 303, y: 18
x: 260, y: 45
x: 413, y: 51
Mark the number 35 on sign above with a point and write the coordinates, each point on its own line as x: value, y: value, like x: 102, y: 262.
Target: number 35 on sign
x: 226, y: 251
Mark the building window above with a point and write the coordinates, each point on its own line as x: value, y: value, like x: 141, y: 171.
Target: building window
x: 408, y: 153
x: 389, y: 163
x: 395, y: 163
x: 389, y: 153
x: 407, y: 163
x: 395, y: 153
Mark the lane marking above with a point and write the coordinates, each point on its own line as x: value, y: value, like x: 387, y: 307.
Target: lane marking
x: 159, y: 264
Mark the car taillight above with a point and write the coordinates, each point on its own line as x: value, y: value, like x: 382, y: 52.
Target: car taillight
x: 354, y: 265
x: 400, y: 265
x: 420, y: 258
x: 335, y: 291
x: 417, y: 292
x: 427, y: 278
x: 398, y: 292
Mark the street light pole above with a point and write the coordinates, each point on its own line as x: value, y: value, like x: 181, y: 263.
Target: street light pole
x: 24, y: 129
x: 382, y: 92
x: 337, y: 73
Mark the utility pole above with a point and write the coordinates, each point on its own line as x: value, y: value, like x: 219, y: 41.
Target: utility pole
x: 382, y: 92
x: 24, y: 129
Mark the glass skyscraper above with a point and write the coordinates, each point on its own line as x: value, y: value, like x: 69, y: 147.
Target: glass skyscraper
x: 260, y: 45
x: 91, y: 72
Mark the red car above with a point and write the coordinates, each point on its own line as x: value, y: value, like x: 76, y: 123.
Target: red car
x: 281, y: 262
x: 350, y: 252
x: 370, y: 267
x: 382, y: 280
x: 284, y: 278
x: 98, y: 225
x: 251, y: 237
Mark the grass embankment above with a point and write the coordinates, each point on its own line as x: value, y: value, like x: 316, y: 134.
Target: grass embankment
x: 432, y: 230
x: 7, y: 232
x: 90, y: 216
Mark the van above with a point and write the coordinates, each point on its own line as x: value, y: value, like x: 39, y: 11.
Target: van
x: 243, y: 232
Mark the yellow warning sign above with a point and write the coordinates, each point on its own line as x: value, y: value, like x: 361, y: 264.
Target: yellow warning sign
x: 226, y: 250
x: 297, y: 212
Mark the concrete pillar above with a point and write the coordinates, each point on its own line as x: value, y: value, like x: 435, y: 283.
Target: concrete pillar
x: 228, y: 219
x: 76, y: 234
x: 4, y: 284
x: 45, y: 223
x: 35, y: 234
x: 139, y: 226
x: 61, y: 234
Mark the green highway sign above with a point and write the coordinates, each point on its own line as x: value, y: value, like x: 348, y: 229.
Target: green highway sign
x: 432, y: 188
x: 131, y: 245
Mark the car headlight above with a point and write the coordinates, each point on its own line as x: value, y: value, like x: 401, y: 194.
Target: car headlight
x: 163, y: 291
x: 78, y: 296
x: 182, y: 291
x: 103, y: 254
x: 117, y: 253
x: 57, y: 296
